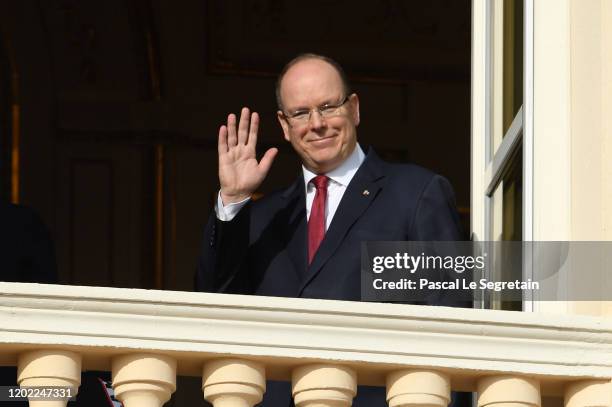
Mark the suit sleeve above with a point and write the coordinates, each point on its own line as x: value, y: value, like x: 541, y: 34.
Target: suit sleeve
x: 221, y: 266
x: 436, y: 217
x: 31, y: 245
x: 41, y: 266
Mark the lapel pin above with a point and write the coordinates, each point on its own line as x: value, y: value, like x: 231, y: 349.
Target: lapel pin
x: 366, y: 192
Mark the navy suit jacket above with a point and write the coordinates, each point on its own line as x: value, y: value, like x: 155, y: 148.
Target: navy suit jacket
x: 263, y: 250
x: 27, y: 253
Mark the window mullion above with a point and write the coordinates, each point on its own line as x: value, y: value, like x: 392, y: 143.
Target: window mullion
x: 503, y: 155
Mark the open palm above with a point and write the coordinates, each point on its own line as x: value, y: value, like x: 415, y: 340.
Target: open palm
x: 240, y: 174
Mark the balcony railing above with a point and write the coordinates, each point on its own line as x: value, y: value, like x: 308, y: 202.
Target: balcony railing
x: 325, y: 348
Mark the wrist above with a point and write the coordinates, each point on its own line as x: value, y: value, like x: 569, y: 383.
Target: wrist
x: 233, y: 198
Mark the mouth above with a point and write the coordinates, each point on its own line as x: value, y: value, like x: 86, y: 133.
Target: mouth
x: 323, y: 140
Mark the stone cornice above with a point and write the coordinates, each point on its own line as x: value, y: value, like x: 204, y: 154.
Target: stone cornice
x: 197, y: 326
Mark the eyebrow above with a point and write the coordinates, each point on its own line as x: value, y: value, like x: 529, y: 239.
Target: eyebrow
x: 297, y: 109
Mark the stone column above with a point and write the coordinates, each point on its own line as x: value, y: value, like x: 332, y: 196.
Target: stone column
x: 233, y: 382
x: 49, y: 368
x: 144, y: 380
x: 322, y: 385
x: 422, y: 388
x: 508, y: 391
x: 591, y: 393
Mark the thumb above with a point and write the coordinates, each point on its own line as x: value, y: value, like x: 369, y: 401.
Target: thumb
x: 266, y: 161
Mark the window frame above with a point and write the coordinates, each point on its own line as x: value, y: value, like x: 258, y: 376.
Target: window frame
x: 493, y: 154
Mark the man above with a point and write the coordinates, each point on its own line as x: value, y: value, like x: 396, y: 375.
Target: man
x: 304, y: 241
x: 27, y: 253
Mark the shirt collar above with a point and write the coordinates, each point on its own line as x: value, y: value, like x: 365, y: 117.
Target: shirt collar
x: 343, y: 174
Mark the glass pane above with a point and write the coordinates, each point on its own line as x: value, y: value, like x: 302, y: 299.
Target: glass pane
x: 512, y: 218
x: 507, y: 224
x: 507, y: 202
x: 513, y: 61
x: 513, y: 223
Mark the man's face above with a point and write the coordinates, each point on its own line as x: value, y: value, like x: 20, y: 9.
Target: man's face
x: 323, y: 143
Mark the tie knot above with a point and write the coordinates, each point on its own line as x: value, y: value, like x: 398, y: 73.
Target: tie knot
x: 320, y: 182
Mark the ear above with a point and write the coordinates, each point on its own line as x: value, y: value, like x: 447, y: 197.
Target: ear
x: 354, y: 102
x: 283, y: 122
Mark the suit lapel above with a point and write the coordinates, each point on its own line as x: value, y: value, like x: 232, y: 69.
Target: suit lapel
x: 297, y: 236
x: 360, y: 193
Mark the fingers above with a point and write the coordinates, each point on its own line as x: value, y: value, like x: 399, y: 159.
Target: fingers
x: 243, y: 126
x: 266, y: 161
x: 246, y: 133
x: 253, y: 129
x: 222, y: 144
x: 232, y: 138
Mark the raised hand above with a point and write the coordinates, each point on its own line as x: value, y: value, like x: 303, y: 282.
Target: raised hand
x: 240, y: 174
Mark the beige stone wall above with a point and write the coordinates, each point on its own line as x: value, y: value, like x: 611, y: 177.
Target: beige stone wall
x: 591, y: 183
x: 588, y: 141
x: 572, y: 127
x: 606, y: 91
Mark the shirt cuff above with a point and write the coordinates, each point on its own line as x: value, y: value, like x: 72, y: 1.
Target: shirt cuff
x: 227, y: 212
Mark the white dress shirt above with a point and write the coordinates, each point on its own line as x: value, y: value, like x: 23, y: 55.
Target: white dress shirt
x: 339, y: 178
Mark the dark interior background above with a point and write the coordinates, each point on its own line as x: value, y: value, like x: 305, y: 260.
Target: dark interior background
x: 113, y: 108
x: 112, y: 94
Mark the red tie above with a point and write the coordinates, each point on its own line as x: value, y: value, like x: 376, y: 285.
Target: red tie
x: 316, y: 222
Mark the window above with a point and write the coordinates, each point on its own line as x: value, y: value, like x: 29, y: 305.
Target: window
x: 501, y: 132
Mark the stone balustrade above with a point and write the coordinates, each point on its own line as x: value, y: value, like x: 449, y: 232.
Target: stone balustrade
x: 325, y: 348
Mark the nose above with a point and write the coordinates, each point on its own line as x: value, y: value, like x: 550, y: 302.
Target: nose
x: 316, y: 120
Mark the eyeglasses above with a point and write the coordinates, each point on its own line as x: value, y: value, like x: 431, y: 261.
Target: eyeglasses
x: 302, y: 116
